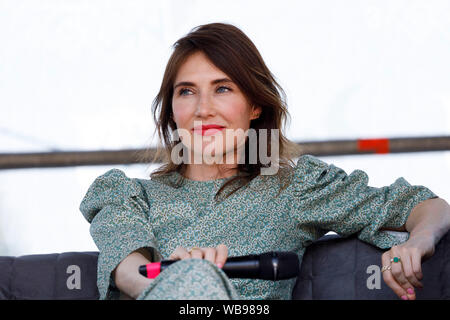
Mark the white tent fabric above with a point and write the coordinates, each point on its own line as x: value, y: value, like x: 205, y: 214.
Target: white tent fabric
x: 81, y: 75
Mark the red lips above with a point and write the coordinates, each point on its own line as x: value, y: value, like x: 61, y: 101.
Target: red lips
x: 207, y: 129
x: 208, y: 126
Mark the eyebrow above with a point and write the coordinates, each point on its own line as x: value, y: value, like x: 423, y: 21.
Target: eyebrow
x: 188, y: 83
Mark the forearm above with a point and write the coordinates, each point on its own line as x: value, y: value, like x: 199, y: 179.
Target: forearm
x: 429, y: 218
x: 127, y: 276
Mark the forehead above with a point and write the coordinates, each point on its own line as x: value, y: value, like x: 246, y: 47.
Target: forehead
x: 198, y: 66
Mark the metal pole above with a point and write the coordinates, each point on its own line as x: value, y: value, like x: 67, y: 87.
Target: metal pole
x: 130, y: 156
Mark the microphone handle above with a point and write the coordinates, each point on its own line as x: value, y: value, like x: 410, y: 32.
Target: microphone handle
x: 235, y: 267
x: 242, y: 267
x: 268, y: 266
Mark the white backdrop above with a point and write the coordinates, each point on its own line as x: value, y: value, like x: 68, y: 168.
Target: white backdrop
x: 81, y: 75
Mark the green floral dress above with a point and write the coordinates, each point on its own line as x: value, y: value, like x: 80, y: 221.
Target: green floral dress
x: 129, y: 213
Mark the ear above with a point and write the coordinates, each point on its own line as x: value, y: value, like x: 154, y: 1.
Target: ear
x: 256, y: 112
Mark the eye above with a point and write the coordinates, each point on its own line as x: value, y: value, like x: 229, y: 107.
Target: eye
x: 182, y: 91
x: 222, y: 87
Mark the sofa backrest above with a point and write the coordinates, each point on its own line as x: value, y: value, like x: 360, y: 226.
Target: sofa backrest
x: 332, y: 268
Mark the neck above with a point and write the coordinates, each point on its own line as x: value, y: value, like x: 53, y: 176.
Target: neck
x: 210, y: 169
x: 205, y: 172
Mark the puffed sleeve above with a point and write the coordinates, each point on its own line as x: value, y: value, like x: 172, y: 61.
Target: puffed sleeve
x: 117, y: 208
x: 327, y: 199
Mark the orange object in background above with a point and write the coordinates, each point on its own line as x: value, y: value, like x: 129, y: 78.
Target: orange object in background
x: 376, y: 145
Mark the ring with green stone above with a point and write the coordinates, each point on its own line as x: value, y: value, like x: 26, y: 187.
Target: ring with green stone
x: 395, y: 259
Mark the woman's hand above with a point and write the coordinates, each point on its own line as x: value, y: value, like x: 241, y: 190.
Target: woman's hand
x: 405, y: 275
x: 217, y: 255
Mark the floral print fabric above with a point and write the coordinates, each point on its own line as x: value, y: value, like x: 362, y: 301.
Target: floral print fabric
x: 129, y: 213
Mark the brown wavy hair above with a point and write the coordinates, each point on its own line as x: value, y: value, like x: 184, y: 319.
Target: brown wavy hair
x: 231, y: 51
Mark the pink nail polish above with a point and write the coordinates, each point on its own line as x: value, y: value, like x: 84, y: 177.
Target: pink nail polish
x: 410, y: 291
x: 219, y: 265
x: 404, y: 298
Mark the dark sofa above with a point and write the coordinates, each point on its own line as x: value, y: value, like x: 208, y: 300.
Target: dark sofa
x: 332, y: 268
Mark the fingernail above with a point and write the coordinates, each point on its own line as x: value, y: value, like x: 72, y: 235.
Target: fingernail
x: 404, y: 298
x: 219, y: 265
x: 410, y: 291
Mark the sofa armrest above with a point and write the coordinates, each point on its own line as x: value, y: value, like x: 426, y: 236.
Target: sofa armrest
x: 349, y: 269
x: 68, y: 276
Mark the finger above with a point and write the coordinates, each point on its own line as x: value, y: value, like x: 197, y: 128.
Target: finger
x: 197, y: 253
x: 221, y: 255
x: 210, y: 254
x: 416, y: 261
x: 180, y: 253
x: 397, y: 269
x: 408, y: 275
x: 408, y: 270
x: 389, y: 278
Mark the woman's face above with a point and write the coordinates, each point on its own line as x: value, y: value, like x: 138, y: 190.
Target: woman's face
x: 204, y: 95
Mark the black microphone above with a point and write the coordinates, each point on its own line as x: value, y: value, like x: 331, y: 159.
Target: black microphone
x: 267, y: 266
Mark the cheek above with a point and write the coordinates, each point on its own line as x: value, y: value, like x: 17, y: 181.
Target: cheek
x: 237, y: 114
x: 180, y: 113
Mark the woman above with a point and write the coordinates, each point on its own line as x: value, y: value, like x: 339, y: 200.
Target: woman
x: 214, y: 198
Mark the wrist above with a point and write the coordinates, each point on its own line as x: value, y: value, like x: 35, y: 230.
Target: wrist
x: 429, y: 219
x: 424, y: 235
x: 139, y: 286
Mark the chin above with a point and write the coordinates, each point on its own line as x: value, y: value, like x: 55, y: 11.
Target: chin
x: 210, y: 155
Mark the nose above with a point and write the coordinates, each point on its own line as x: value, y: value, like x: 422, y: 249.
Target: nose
x: 205, y: 107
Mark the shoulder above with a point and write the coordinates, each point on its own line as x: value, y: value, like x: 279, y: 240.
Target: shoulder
x: 309, y: 168
x: 115, y: 181
x: 113, y: 187
x: 304, y: 171
x: 308, y: 163
x: 310, y: 172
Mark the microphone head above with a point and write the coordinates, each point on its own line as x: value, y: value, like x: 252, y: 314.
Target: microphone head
x: 279, y: 265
